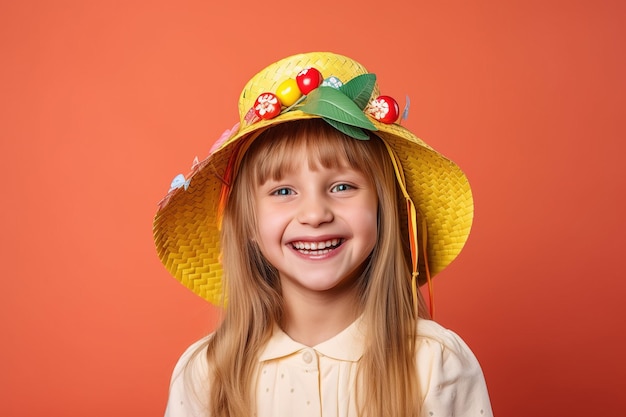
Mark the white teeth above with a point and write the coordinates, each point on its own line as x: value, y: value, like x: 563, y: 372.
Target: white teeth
x: 316, y: 246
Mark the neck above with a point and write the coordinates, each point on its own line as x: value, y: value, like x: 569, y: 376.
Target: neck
x: 313, y: 320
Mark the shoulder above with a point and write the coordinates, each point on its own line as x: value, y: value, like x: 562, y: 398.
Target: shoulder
x: 194, y: 354
x: 443, y: 352
x: 434, y: 339
x: 450, y: 376
x: 189, y: 383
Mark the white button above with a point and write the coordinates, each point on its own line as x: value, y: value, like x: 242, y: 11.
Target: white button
x: 307, y: 357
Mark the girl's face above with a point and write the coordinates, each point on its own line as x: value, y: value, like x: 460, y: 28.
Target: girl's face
x: 317, y: 226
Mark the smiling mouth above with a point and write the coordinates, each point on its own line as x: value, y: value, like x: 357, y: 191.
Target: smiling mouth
x: 317, y: 248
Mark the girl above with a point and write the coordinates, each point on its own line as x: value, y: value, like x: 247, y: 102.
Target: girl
x: 313, y: 211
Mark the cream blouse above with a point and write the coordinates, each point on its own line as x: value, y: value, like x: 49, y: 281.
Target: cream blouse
x: 297, y: 380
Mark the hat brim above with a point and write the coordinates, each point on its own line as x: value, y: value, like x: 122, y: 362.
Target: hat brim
x: 186, y: 229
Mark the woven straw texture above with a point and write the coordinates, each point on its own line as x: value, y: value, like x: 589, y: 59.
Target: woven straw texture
x: 186, y: 225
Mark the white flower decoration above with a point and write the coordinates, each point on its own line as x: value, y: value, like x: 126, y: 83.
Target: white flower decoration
x: 378, y: 109
x: 267, y: 103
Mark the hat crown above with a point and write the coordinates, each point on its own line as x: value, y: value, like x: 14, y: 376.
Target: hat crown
x: 268, y: 80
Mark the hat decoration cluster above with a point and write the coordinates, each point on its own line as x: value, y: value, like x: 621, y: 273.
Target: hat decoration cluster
x: 343, y: 106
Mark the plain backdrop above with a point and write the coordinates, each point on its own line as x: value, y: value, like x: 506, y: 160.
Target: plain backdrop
x: 102, y: 103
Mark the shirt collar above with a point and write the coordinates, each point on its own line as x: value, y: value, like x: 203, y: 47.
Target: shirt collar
x: 348, y: 345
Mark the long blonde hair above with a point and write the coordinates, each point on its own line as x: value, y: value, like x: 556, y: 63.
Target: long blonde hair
x: 387, y: 374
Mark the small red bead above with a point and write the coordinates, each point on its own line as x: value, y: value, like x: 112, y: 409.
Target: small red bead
x: 308, y: 80
x: 384, y: 109
x: 267, y: 106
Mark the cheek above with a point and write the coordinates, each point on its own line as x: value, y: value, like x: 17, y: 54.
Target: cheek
x: 366, y: 220
x: 269, y: 225
x: 374, y: 221
x: 371, y: 228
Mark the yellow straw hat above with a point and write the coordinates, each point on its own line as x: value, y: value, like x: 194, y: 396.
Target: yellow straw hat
x: 186, y: 225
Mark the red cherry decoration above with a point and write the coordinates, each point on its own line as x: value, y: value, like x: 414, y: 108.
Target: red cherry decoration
x: 267, y: 106
x: 309, y: 79
x: 384, y: 109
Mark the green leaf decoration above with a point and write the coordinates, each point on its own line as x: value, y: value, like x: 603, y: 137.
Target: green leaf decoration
x: 332, y: 104
x: 359, y: 89
x: 355, y: 132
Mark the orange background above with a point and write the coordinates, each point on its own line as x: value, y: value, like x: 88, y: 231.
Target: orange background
x: 104, y: 102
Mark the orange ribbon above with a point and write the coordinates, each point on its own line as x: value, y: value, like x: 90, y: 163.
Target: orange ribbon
x: 413, y: 245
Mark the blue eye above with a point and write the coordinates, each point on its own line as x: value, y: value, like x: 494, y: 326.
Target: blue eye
x: 341, y: 187
x: 283, y: 191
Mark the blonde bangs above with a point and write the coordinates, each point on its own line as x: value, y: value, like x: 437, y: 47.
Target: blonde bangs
x: 277, y: 151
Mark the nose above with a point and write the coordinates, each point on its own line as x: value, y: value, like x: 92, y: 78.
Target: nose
x: 315, y: 211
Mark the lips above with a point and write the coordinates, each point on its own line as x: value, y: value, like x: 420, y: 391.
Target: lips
x: 317, y: 248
